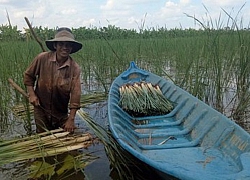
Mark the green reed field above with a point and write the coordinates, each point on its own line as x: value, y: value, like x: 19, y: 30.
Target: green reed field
x: 212, y: 64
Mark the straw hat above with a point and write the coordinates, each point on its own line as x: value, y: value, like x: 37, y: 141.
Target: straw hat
x: 64, y: 34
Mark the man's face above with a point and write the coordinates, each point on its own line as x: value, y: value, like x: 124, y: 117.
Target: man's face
x: 63, y: 48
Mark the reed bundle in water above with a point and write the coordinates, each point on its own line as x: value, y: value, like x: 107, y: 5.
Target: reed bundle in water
x: 45, y: 144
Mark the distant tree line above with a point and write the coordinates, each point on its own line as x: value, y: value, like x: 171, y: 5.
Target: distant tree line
x: 8, y: 32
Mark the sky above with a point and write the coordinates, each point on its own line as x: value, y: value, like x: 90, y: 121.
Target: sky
x: 125, y: 14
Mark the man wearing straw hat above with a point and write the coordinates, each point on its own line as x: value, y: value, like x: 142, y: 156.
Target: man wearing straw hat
x: 53, y: 83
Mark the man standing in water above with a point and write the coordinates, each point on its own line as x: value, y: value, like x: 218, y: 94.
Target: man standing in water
x: 53, y: 83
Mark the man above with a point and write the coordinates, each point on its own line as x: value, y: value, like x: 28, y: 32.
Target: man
x: 53, y: 83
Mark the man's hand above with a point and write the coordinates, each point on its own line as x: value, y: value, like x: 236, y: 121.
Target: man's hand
x: 69, y: 125
x: 33, y: 99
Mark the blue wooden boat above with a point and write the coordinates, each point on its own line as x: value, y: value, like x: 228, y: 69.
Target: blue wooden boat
x: 193, y: 141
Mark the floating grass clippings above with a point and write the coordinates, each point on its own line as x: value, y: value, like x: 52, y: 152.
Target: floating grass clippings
x: 143, y: 99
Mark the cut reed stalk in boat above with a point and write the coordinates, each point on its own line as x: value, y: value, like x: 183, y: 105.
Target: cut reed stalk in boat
x: 144, y: 99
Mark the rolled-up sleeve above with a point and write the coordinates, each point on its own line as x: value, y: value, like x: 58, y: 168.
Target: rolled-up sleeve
x: 31, y: 72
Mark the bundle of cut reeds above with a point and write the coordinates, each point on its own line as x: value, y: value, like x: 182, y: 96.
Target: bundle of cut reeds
x: 42, y: 145
x: 144, y: 99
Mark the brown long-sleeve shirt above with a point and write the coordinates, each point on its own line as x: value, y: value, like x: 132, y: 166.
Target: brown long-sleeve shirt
x: 56, y: 87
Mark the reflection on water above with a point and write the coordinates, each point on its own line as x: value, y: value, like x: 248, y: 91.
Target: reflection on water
x: 99, y: 169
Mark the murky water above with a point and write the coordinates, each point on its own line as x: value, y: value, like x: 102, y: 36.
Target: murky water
x: 99, y: 169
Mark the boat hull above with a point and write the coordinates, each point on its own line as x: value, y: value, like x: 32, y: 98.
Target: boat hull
x: 193, y: 141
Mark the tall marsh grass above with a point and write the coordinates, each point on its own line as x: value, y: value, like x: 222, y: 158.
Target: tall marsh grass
x: 211, y: 63
x: 212, y: 66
